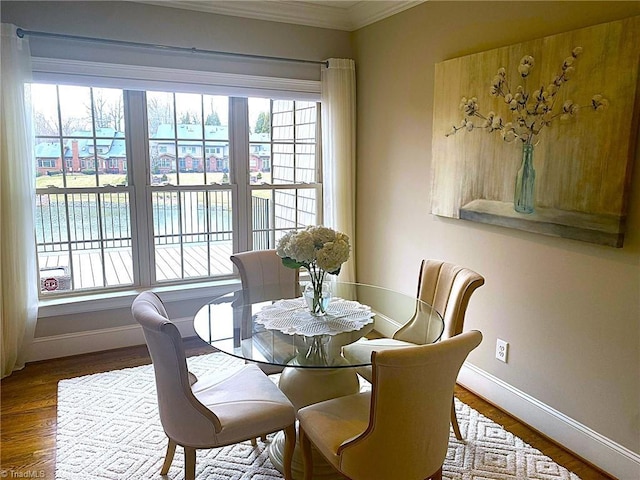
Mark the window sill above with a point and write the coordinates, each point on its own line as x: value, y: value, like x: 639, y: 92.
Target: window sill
x: 67, y: 305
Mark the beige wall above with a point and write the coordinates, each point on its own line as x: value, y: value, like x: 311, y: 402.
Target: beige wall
x: 570, y: 310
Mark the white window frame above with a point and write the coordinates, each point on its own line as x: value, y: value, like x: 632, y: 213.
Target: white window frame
x: 135, y: 77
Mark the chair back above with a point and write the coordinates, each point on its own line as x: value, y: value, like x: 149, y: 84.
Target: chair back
x: 184, y: 419
x: 447, y: 288
x: 408, y: 432
x: 264, y: 277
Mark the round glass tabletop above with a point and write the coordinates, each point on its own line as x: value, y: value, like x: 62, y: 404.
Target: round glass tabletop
x: 259, y: 326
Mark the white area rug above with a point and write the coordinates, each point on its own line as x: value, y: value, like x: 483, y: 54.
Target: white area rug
x: 108, y: 428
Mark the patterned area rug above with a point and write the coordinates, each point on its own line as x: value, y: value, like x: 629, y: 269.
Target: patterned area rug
x: 108, y: 428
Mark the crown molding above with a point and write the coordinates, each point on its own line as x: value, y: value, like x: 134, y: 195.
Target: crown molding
x: 365, y: 13
x: 337, y: 15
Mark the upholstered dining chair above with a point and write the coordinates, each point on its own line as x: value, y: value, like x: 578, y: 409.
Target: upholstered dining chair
x: 264, y: 278
x: 400, y: 429
x: 214, y: 410
x: 262, y: 272
x: 446, y: 287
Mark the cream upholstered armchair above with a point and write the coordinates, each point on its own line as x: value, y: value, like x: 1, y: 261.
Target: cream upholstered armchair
x: 446, y: 287
x: 401, y: 428
x: 214, y: 410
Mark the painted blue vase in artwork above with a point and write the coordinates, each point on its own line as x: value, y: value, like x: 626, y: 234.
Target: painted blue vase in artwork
x: 523, y: 198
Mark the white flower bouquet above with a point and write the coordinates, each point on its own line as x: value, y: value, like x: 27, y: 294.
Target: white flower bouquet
x: 320, y: 250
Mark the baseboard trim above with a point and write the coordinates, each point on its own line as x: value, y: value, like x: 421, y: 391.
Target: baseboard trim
x: 77, y: 343
x: 599, y: 450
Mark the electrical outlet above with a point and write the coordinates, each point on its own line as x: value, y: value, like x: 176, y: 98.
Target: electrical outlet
x: 502, y: 350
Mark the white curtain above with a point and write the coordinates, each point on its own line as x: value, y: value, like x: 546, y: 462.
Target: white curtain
x: 339, y: 152
x: 18, y: 270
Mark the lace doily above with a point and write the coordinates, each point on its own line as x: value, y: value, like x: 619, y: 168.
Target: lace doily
x: 292, y: 317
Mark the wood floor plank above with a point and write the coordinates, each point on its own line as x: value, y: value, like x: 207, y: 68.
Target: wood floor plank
x: 193, y: 266
x: 167, y: 265
x: 124, y: 266
x: 118, y: 266
x: 198, y: 254
x: 28, y: 412
x: 220, y: 253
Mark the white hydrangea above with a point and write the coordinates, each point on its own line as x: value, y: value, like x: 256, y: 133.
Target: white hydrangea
x: 282, y: 248
x: 315, y: 247
x: 302, y: 247
x: 321, y: 235
x: 333, y: 254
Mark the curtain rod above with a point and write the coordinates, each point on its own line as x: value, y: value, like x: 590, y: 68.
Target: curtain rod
x: 21, y: 33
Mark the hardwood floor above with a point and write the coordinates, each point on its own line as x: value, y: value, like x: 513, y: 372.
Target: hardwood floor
x: 29, y: 411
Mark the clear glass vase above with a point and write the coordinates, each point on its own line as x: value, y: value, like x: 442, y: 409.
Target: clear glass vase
x: 318, y: 296
x: 524, y: 195
x: 314, y: 351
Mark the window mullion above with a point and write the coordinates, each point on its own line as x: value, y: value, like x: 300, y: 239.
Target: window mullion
x: 239, y: 166
x: 141, y: 216
x: 319, y: 166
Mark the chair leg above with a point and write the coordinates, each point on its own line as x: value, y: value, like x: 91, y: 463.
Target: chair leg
x: 168, y: 458
x: 289, y: 446
x: 454, y: 421
x: 254, y: 441
x: 305, y: 443
x: 189, y: 463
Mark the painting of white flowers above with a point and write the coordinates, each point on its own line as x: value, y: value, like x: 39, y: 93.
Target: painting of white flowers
x: 541, y: 136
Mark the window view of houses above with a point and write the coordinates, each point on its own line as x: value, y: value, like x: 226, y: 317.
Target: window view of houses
x: 189, y: 147
x: 82, y: 154
x: 181, y: 150
x: 106, y: 154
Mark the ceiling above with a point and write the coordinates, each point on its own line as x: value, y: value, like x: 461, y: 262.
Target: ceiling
x: 340, y: 15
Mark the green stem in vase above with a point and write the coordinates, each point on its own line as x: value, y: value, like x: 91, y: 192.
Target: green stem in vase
x: 317, y: 279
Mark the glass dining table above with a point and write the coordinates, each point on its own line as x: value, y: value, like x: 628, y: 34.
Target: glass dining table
x: 259, y: 325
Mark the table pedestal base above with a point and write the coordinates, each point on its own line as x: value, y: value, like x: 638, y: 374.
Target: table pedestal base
x: 321, y: 468
x: 305, y: 386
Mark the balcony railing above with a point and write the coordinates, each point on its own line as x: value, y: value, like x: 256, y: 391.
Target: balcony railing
x: 84, y: 239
